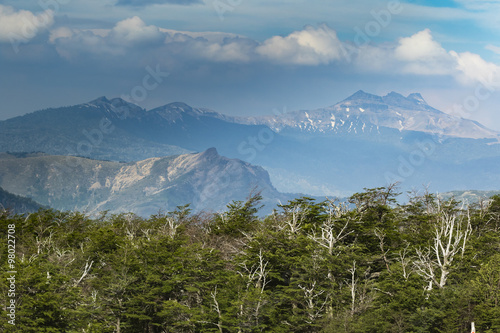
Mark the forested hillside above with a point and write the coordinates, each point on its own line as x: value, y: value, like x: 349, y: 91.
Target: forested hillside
x: 367, y: 265
x: 16, y: 203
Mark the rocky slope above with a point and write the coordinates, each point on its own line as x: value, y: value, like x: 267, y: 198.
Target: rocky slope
x: 470, y: 196
x: 205, y: 180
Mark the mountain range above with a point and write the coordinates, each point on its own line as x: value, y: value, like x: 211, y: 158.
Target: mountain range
x: 363, y: 141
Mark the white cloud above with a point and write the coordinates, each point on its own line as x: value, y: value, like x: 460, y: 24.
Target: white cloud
x: 480, y: 4
x: 423, y: 55
x: 420, y: 46
x: 133, y: 30
x: 473, y: 69
x: 62, y: 32
x: 74, y: 43
x: 230, y: 50
x: 310, y: 46
x: 493, y: 48
x: 131, y: 35
x: 22, y: 25
x: 306, y: 47
x: 420, y: 54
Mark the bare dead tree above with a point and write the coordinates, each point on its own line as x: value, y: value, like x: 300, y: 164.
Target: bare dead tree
x: 405, y: 262
x: 352, y: 286
x: 314, y: 306
x: 257, y: 273
x: 390, y: 190
x: 85, y: 271
x: 381, y: 236
x: 451, y: 233
x: 172, y: 225
x: 217, y: 309
x: 93, y: 295
x: 329, y: 236
x: 43, y: 242
x: 294, y: 220
x: 130, y: 234
x: 256, y: 276
x: 425, y: 266
x: 146, y: 233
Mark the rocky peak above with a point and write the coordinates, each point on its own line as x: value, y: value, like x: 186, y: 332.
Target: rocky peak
x: 177, y: 110
x: 361, y: 96
x: 418, y: 98
x: 100, y: 101
x: 394, y: 98
x: 174, y: 111
x: 183, y: 107
x: 398, y: 100
x: 209, y: 153
x: 118, y: 106
x: 414, y: 101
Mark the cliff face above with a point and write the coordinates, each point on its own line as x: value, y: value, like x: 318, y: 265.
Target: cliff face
x: 205, y: 180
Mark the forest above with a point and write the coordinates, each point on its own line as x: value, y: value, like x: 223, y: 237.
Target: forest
x: 368, y: 264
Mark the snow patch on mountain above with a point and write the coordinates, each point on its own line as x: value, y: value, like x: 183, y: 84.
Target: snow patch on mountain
x: 364, y: 112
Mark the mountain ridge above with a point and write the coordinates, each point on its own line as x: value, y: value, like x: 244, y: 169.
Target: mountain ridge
x: 362, y: 112
x: 205, y: 180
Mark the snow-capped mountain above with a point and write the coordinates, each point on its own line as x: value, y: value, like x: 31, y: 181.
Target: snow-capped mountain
x: 173, y: 112
x: 364, y: 113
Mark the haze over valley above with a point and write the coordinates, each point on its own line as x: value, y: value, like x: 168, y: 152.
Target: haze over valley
x: 117, y: 150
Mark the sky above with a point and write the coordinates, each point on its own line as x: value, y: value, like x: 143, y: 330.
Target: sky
x: 243, y: 57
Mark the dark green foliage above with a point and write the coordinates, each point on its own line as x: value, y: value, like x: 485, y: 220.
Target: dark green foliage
x: 309, y: 267
x: 240, y: 218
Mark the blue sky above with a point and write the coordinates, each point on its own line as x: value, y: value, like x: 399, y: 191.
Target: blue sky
x: 250, y: 57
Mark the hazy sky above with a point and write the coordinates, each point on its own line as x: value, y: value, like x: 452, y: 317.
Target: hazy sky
x: 250, y: 56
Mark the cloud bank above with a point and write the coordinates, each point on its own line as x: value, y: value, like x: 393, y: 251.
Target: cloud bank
x: 418, y: 54
x: 22, y: 25
x: 311, y: 46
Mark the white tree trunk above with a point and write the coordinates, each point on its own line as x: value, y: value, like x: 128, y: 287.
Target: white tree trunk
x: 451, y: 233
